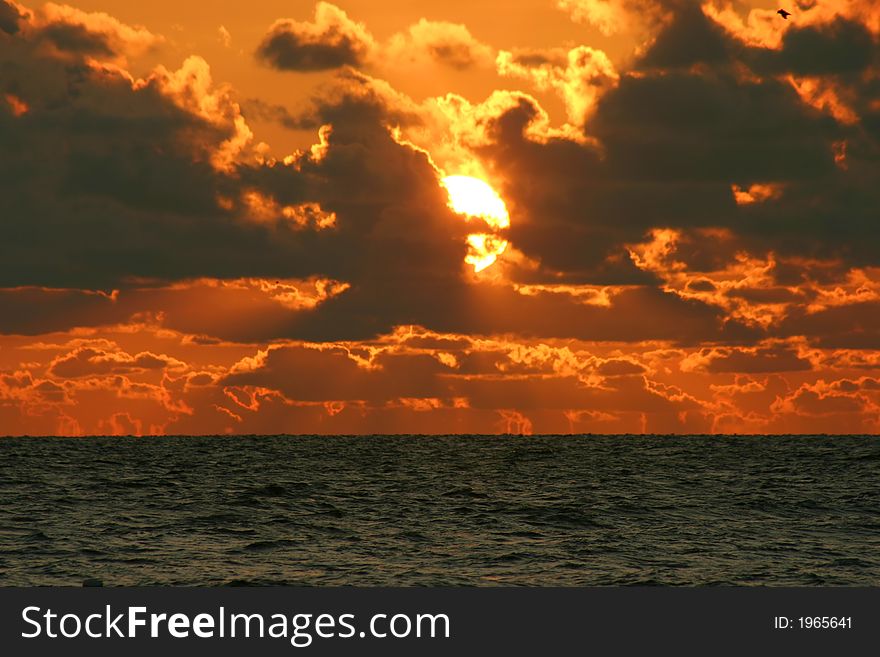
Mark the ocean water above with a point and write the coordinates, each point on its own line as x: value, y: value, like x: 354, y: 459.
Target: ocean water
x: 458, y: 510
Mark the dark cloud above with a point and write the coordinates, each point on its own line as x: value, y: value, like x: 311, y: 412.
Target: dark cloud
x: 76, y: 38
x: 812, y: 403
x: 620, y: 367
x: 688, y: 39
x: 104, y: 183
x: 292, y: 371
x: 456, y: 55
x: 840, y: 47
x: 684, y: 129
x: 134, y: 194
x: 9, y: 17
x: 672, y: 146
x: 754, y: 361
x: 536, y: 58
x: 847, y: 326
x: 33, y: 311
x: 700, y: 113
x: 284, y: 49
x: 766, y: 295
x: 130, y: 185
x: 87, y: 361
x: 260, y: 110
x: 350, y: 98
x: 331, y: 41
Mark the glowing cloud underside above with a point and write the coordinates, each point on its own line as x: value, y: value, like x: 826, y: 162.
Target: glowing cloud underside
x: 472, y: 197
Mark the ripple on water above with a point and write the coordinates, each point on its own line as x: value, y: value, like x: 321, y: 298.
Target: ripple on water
x: 445, y: 510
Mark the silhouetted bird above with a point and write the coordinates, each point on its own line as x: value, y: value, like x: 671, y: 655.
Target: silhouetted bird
x: 784, y: 14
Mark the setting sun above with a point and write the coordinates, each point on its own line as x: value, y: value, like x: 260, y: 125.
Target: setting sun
x: 475, y: 198
x: 472, y: 197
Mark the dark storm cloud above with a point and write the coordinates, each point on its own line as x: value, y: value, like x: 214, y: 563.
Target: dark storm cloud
x: 260, y: 110
x: 688, y: 39
x: 688, y: 123
x: 397, y: 243
x: 88, y: 361
x: 32, y: 311
x: 376, y: 305
x: 284, y: 49
x: 350, y: 99
x: 765, y: 295
x: 445, y: 304
x: 635, y: 313
x: 555, y: 221
x: 94, y: 176
x: 754, y: 361
x: 9, y: 17
x: 686, y: 129
x: 411, y: 274
x: 620, y: 367
x: 331, y: 41
x: 851, y: 326
x: 103, y: 182
x: 840, y: 47
x: 344, y: 380
x: 392, y: 377
x: 672, y: 146
x: 76, y: 38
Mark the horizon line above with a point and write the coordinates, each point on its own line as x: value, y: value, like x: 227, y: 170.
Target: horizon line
x: 451, y: 435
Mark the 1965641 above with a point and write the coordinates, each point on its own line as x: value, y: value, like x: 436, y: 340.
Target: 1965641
x: 813, y: 623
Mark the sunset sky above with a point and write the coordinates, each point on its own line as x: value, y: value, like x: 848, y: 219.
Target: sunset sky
x: 468, y: 216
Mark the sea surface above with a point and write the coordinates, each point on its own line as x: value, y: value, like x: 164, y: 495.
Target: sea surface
x: 458, y: 510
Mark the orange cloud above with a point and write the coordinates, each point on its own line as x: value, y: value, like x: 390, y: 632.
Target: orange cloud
x: 191, y: 87
x: 419, y: 381
x: 756, y: 193
x: 579, y: 76
x: 613, y: 16
x: 16, y: 104
x: 450, y: 44
x: 762, y: 27
x: 824, y: 95
x: 124, y: 38
x: 87, y: 361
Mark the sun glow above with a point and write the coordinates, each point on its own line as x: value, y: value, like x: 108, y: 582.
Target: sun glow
x: 472, y: 197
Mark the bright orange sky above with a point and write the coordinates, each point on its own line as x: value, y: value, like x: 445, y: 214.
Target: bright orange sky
x: 236, y: 217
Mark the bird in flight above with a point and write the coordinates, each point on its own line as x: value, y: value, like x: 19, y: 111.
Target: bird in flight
x: 784, y: 14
